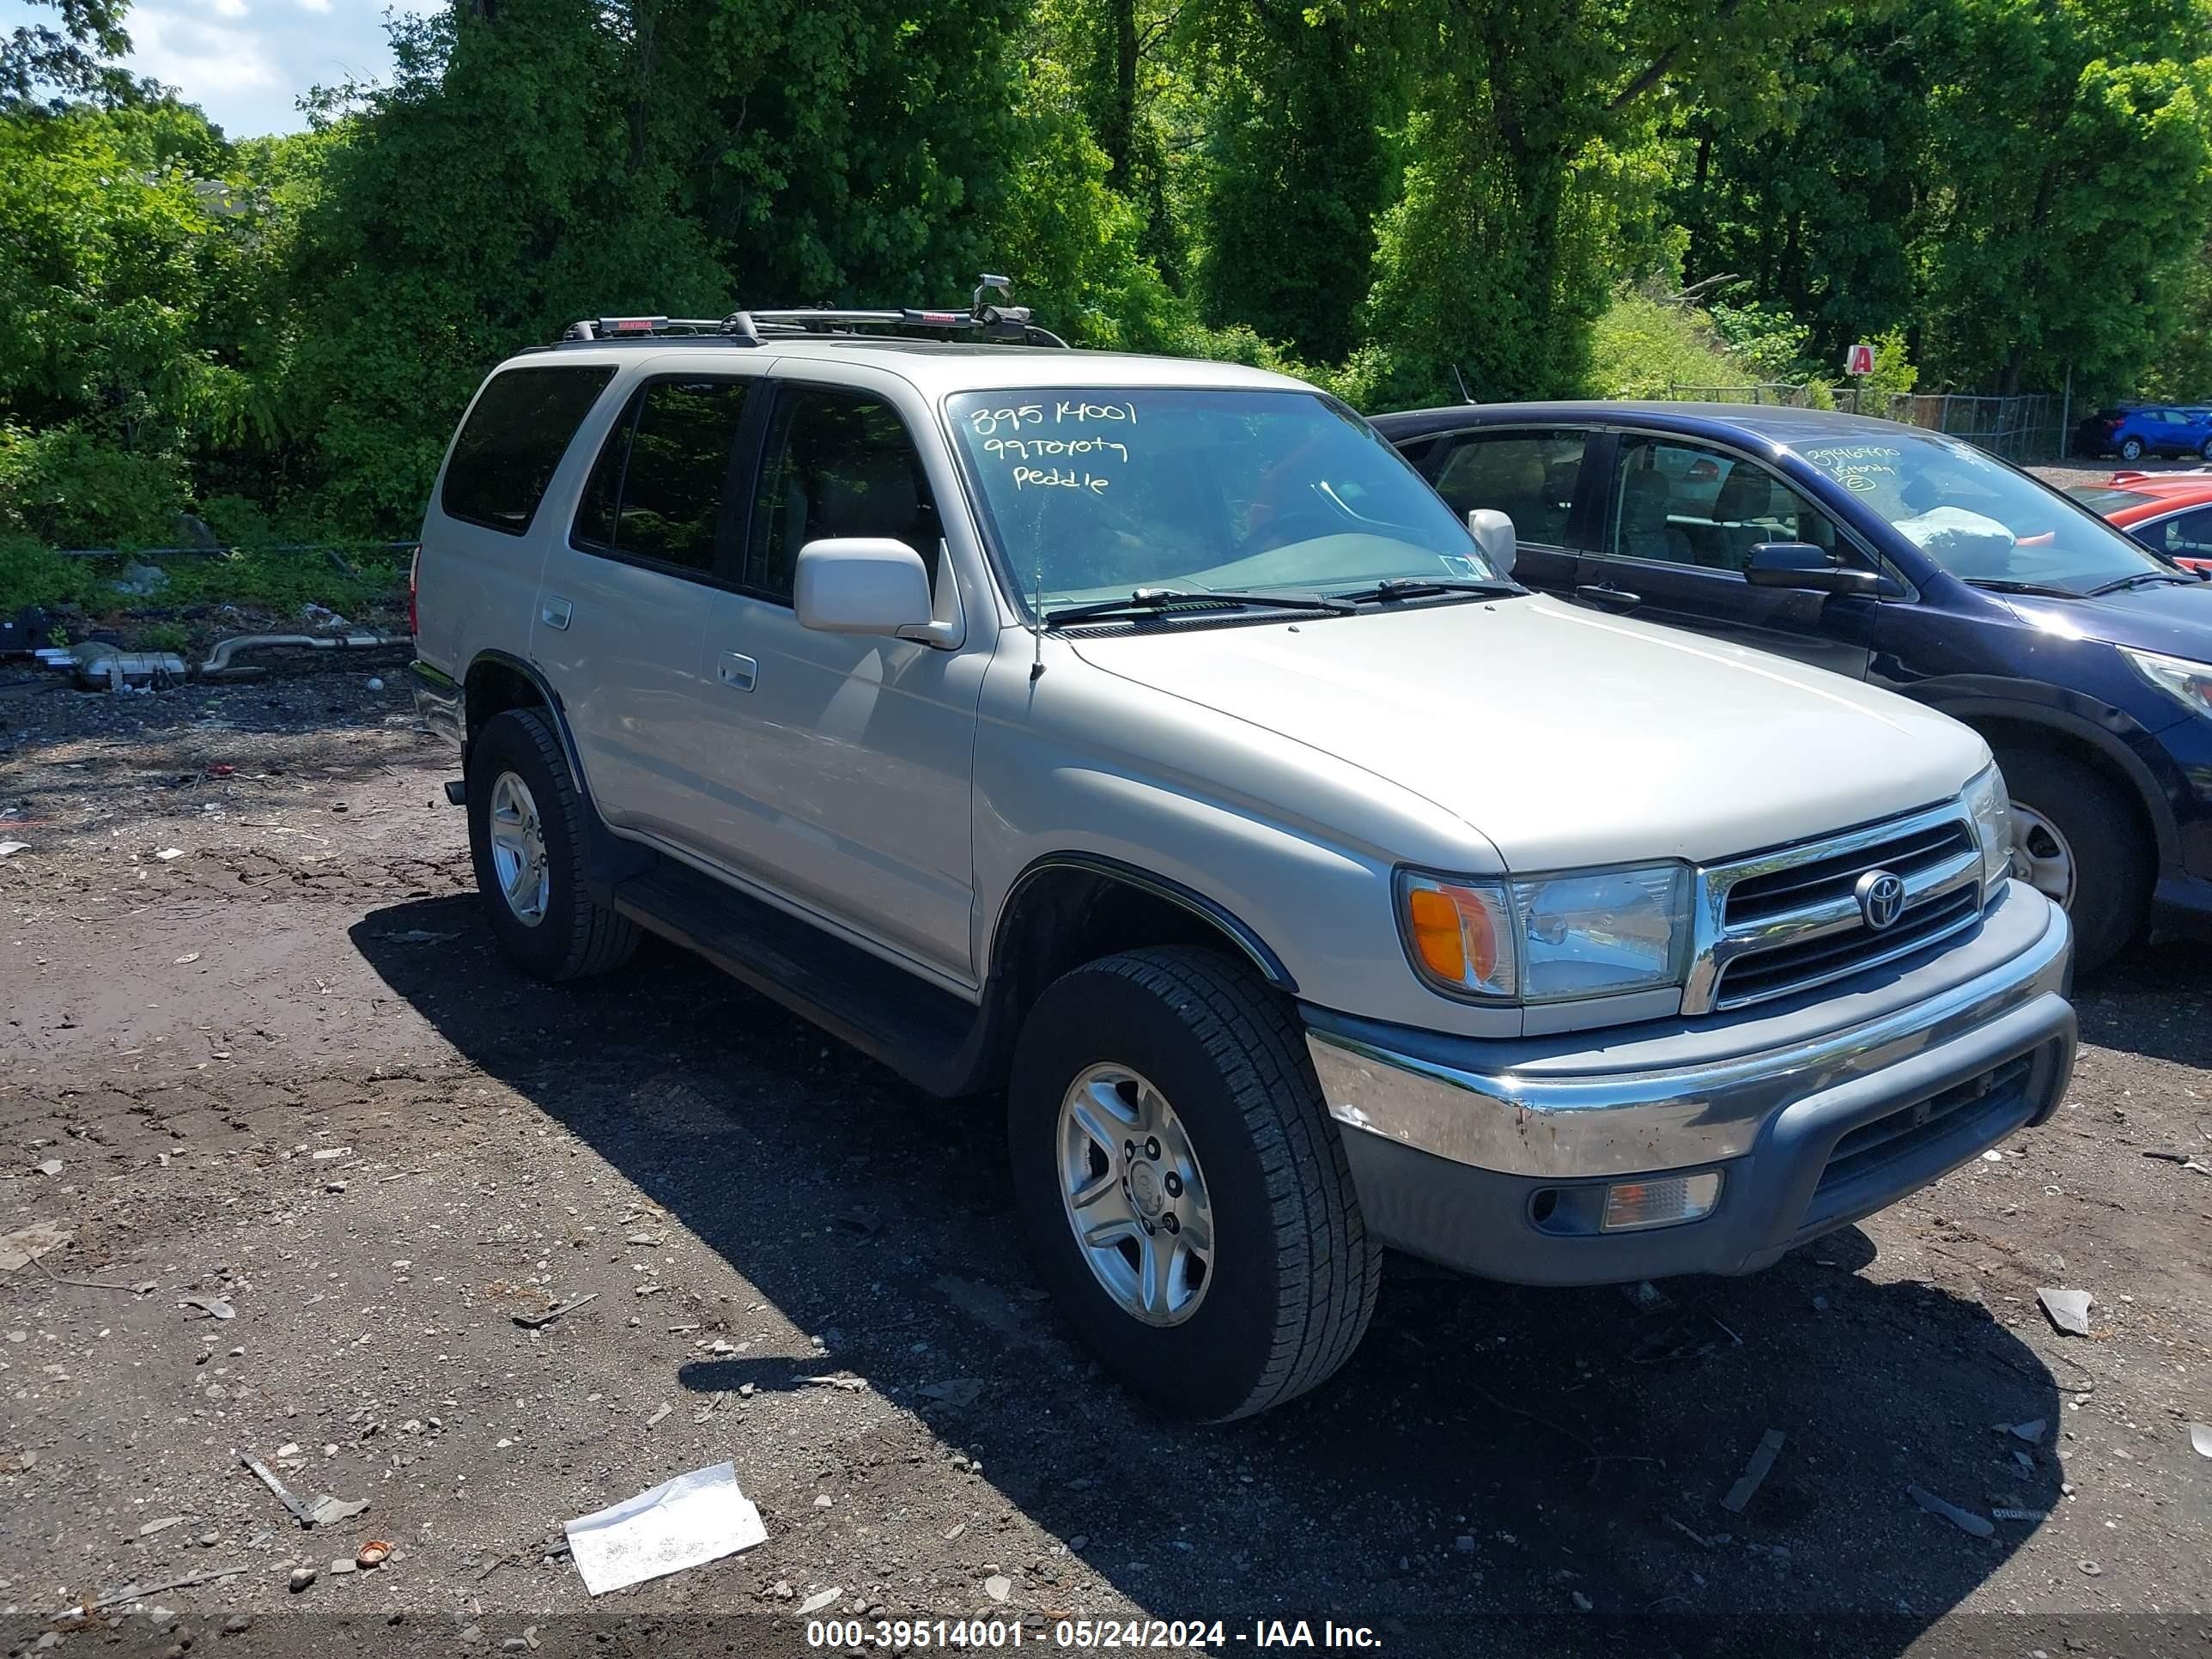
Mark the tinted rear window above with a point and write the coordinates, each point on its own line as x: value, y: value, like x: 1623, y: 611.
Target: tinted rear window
x: 2105, y: 503
x: 514, y: 439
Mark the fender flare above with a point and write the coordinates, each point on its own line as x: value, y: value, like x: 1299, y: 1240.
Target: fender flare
x: 1247, y: 939
x: 608, y: 858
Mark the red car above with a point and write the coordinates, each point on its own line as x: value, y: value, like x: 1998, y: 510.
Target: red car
x: 2169, y: 513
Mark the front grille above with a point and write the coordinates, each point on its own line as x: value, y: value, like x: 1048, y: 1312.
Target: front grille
x: 1763, y: 973
x: 1788, y: 921
x: 1757, y: 898
x: 1998, y: 1093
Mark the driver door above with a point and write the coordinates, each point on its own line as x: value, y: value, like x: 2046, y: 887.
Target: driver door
x: 1680, y: 520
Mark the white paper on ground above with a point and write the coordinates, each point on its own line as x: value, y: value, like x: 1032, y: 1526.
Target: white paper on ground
x: 685, y: 1523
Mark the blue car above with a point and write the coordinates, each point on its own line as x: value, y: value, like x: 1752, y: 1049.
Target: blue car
x: 1902, y: 558
x: 2143, y: 429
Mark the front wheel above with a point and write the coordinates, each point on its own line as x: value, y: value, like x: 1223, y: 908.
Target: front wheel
x: 1184, y: 1192
x: 2204, y: 450
x: 2131, y: 450
x: 2078, y: 841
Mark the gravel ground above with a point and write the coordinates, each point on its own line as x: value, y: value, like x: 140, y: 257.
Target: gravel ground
x: 284, y: 1070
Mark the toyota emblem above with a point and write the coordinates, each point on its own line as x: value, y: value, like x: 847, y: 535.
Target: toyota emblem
x: 1881, y: 898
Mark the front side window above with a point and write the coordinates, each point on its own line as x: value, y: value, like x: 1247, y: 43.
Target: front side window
x: 513, y: 441
x: 1091, y: 493
x: 1983, y: 521
x: 2185, y: 536
x: 656, y: 492
x: 1683, y: 503
x: 838, y: 464
x: 1530, y: 477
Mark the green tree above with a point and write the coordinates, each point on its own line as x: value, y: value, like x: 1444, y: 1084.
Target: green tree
x: 1298, y: 167
x: 68, y: 62
x: 1531, y: 175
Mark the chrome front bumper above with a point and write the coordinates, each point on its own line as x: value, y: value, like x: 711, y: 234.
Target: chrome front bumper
x: 1491, y: 1156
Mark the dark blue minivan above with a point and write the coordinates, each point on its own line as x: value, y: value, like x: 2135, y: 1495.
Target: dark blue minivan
x: 1902, y: 558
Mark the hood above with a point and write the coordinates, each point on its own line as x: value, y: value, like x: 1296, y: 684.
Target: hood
x: 1567, y: 738
x: 2168, y: 617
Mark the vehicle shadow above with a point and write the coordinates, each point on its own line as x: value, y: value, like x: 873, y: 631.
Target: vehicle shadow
x: 1489, y: 1452
x: 2153, y: 1000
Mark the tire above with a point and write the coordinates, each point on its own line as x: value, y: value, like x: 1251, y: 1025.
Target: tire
x: 2204, y: 450
x: 2104, y: 837
x: 1292, y: 1275
x: 2131, y: 450
x: 565, y: 933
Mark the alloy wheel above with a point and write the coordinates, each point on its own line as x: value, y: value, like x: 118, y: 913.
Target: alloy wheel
x: 1134, y: 1195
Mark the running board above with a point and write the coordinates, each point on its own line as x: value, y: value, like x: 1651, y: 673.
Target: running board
x: 932, y: 1038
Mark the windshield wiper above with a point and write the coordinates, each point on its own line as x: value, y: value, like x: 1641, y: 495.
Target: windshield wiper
x: 2139, y: 579
x: 1159, y: 601
x: 2038, y: 590
x: 1422, y: 587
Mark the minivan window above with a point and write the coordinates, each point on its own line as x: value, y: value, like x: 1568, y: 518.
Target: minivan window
x: 1090, y: 492
x: 1976, y: 517
x: 1683, y: 503
x: 656, y: 492
x: 1530, y: 477
x: 838, y: 464
x: 513, y: 441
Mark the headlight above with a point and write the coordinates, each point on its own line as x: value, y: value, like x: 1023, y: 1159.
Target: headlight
x: 2188, y: 684
x: 1990, y: 808
x: 1546, y: 938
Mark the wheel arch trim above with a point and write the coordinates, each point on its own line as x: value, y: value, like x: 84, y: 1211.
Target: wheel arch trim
x: 1222, y: 919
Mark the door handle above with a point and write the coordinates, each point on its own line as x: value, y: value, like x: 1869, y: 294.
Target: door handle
x: 1606, y: 597
x: 555, y: 612
x: 736, y: 672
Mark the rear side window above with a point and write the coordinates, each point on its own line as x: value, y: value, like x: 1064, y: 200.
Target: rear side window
x: 513, y: 440
x: 656, y: 492
x: 1530, y: 477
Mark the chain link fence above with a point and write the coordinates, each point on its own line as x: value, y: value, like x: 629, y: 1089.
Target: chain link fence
x: 2029, y: 428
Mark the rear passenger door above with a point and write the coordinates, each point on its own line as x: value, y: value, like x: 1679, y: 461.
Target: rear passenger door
x: 1532, y: 476
x: 623, y: 607
x: 1678, y: 523
x: 839, y: 764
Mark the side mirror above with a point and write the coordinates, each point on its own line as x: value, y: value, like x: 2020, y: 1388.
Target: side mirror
x: 864, y: 585
x: 1802, y: 565
x: 1493, y: 534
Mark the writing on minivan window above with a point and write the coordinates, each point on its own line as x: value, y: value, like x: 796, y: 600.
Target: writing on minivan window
x: 1023, y: 435
x: 1856, y: 466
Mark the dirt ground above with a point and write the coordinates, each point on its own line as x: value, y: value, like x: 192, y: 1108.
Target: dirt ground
x: 260, y: 1050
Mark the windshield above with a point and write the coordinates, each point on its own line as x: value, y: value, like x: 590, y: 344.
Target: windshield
x: 1977, y: 517
x: 1092, y: 493
x: 2105, y: 502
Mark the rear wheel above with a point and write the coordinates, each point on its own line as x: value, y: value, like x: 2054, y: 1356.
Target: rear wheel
x: 1183, y: 1189
x: 525, y: 834
x: 2077, y: 840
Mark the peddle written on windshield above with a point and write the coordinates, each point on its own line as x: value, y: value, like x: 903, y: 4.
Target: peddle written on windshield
x: 1061, y: 444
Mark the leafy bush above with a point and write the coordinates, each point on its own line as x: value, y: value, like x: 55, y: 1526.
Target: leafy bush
x: 1641, y: 346
x: 70, y: 488
x: 33, y: 574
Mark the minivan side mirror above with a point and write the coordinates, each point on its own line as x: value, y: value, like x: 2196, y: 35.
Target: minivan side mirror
x: 1814, y: 569
x: 864, y: 585
x: 1493, y: 533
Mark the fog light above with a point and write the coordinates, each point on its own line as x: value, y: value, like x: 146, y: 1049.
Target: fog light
x: 1661, y: 1201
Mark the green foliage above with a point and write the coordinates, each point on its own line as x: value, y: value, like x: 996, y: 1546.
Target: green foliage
x: 1643, y: 347
x: 68, y: 487
x: 30, y: 573
x: 1403, y: 201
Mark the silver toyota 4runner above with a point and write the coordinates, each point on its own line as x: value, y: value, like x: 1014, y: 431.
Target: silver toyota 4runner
x: 1144, y: 739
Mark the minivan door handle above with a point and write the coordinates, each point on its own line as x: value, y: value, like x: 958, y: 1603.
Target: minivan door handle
x: 736, y: 672
x: 555, y: 612
x: 1606, y: 597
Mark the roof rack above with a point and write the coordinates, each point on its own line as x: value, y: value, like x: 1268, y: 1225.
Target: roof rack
x: 985, y: 316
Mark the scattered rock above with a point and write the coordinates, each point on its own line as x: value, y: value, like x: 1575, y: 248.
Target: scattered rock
x: 819, y: 1600
x: 2200, y: 1438
x: 997, y: 1587
x: 301, y: 1577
